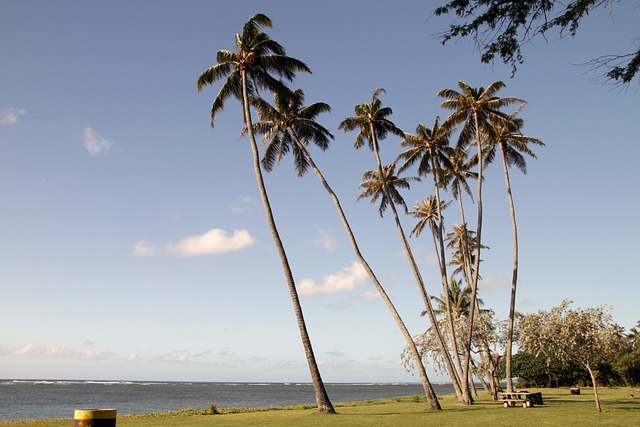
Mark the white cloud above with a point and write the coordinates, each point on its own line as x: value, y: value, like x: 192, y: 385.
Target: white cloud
x: 344, y: 280
x: 214, y: 241
x: 27, y: 350
x: 144, y: 249
x: 133, y: 357
x: 94, y: 143
x: 10, y: 116
x: 324, y: 240
x: 59, y: 351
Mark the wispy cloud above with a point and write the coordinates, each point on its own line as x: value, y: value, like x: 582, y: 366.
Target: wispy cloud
x: 243, y: 206
x: 94, y: 143
x: 28, y: 350
x: 144, y: 249
x: 10, y: 116
x: 60, y: 351
x: 172, y: 359
x: 344, y: 280
x: 325, y: 240
x: 370, y: 296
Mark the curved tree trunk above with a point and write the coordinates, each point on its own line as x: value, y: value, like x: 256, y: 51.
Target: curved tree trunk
x: 595, y: 386
x: 474, y: 284
x: 462, y: 391
x: 322, y: 398
x: 432, y: 399
x: 414, y: 267
x: 514, y: 277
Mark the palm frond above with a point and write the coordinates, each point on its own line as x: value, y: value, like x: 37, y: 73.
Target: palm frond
x: 213, y: 74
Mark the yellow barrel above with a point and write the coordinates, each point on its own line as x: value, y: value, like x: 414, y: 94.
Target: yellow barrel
x: 94, y: 418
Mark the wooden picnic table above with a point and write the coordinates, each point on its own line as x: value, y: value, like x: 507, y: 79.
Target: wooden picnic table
x: 510, y: 399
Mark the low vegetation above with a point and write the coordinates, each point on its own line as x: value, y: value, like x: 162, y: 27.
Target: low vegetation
x: 560, y: 408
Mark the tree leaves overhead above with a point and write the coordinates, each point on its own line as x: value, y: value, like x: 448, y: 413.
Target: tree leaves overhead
x: 500, y: 27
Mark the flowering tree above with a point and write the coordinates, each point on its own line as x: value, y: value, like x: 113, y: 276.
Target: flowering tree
x: 584, y: 336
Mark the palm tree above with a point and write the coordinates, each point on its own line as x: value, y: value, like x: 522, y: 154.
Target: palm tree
x: 632, y: 336
x: 372, y: 124
x: 455, y: 176
x: 430, y: 149
x: 290, y: 127
x: 513, y: 144
x: 373, y: 187
x: 459, y: 299
x: 247, y: 70
x: 473, y: 108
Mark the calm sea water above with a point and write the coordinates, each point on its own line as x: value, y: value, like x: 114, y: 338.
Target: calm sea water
x: 21, y: 400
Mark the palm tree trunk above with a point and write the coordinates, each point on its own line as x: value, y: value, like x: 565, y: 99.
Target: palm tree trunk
x: 322, y: 398
x: 414, y: 266
x: 474, y: 284
x: 514, y: 277
x: 432, y: 399
x: 462, y: 391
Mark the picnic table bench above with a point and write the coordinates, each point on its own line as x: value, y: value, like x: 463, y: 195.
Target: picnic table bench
x: 511, y: 399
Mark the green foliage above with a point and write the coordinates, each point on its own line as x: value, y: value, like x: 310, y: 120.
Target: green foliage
x: 534, y: 371
x: 213, y: 408
x: 563, y: 335
x: 499, y: 28
x: 628, y: 367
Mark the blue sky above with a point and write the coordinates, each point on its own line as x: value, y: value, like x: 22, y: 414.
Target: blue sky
x: 133, y: 243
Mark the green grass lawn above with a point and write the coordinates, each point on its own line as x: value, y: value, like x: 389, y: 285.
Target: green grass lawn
x: 560, y: 408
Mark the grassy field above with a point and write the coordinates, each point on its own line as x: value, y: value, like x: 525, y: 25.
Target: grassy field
x: 560, y: 408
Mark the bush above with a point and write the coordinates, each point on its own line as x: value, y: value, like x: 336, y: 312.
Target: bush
x: 628, y: 367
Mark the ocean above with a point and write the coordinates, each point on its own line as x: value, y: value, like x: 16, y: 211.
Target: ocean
x: 37, y: 399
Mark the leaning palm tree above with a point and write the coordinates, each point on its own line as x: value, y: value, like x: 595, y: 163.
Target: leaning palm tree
x: 289, y: 126
x: 430, y: 149
x: 473, y: 108
x: 373, y: 125
x: 507, y: 136
x: 247, y: 70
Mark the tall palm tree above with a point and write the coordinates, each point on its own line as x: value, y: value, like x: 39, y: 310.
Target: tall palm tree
x: 289, y: 126
x: 373, y: 125
x: 507, y: 136
x: 473, y: 108
x: 455, y: 175
x: 430, y: 149
x: 246, y: 70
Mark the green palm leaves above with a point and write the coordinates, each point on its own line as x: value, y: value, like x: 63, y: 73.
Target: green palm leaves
x: 371, y: 121
x: 284, y: 122
x: 255, y: 58
x: 372, y: 185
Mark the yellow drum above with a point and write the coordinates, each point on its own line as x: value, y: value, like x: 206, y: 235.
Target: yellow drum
x: 94, y: 418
